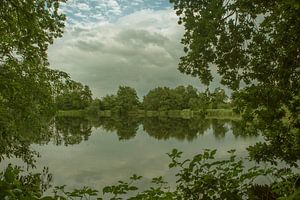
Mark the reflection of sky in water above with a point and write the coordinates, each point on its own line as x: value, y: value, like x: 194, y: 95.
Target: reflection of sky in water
x: 103, y: 159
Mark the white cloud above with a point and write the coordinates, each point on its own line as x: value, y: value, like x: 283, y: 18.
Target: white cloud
x: 141, y: 50
x: 83, y: 6
x: 79, y: 14
x: 114, y: 6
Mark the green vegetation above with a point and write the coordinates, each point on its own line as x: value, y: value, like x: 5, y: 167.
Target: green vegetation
x: 185, y: 102
x: 185, y: 114
x: 222, y: 113
x: 27, y: 86
x: 161, y: 101
x: 255, y: 48
x: 126, y: 99
x: 126, y: 127
x: 74, y: 96
x: 164, y: 98
x: 71, y: 113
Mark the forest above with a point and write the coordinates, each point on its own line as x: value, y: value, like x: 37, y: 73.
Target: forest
x: 254, y: 45
x: 158, y: 99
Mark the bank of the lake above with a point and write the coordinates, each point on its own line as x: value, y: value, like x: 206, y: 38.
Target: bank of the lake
x: 185, y: 114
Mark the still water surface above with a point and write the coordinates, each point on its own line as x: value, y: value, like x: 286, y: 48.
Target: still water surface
x: 100, y: 152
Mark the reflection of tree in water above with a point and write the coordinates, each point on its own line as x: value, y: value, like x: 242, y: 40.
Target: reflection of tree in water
x: 15, y: 140
x: 164, y: 128
x: 219, y: 127
x: 181, y: 129
x: 126, y: 127
x: 71, y: 130
x: 238, y: 129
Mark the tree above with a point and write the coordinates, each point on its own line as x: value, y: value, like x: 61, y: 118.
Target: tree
x: 255, y: 46
x: 74, y: 97
x: 218, y: 98
x: 95, y: 106
x: 180, y: 97
x: 126, y: 100
x: 246, y: 40
x: 191, y: 92
x: 162, y: 99
x: 28, y: 27
x: 109, y: 102
x: 26, y: 30
x: 184, y: 95
x: 27, y: 85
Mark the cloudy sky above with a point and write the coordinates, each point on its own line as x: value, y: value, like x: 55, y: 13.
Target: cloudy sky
x: 108, y: 43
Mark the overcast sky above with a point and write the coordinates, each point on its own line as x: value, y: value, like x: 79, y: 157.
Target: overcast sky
x: 108, y: 43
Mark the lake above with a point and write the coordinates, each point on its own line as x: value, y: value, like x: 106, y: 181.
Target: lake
x: 100, y: 151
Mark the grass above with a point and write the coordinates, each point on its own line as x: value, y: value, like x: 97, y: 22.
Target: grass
x: 222, y: 114
x: 71, y: 113
x: 185, y: 114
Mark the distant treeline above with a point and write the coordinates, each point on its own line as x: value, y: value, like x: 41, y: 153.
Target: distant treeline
x: 158, y: 99
x: 74, y: 96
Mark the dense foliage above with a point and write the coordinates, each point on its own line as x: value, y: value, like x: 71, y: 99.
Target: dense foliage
x: 16, y: 186
x: 162, y: 99
x: 125, y: 100
x: 179, y: 98
x: 255, y: 47
x: 27, y: 86
x: 75, y: 96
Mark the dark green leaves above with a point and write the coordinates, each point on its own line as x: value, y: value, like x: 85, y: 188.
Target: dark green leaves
x: 15, y: 185
x: 255, y: 47
x: 28, y: 27
x: 27, y: 85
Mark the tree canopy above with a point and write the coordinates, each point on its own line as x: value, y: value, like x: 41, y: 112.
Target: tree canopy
x: 126, y: 100
x: 249, y: 41
x: 28, y: 27
x: 179, y: 98
x: 27, y: 85
x: 75, y: 96
x: 255, y: 46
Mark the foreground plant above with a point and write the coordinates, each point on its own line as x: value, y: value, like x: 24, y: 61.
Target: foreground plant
x: 202, y: 177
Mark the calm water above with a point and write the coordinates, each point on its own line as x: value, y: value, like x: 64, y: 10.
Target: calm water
x: 99, y: 152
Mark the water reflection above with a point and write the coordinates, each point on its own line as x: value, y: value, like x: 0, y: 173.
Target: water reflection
x: 66, y: 131
x: 125, y: 127
x: 73, y: 130
x: 180, y: 129
x: 112, y: 149
x: 15, y: 140
x: 105, y: 150
x: 219, y: 128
